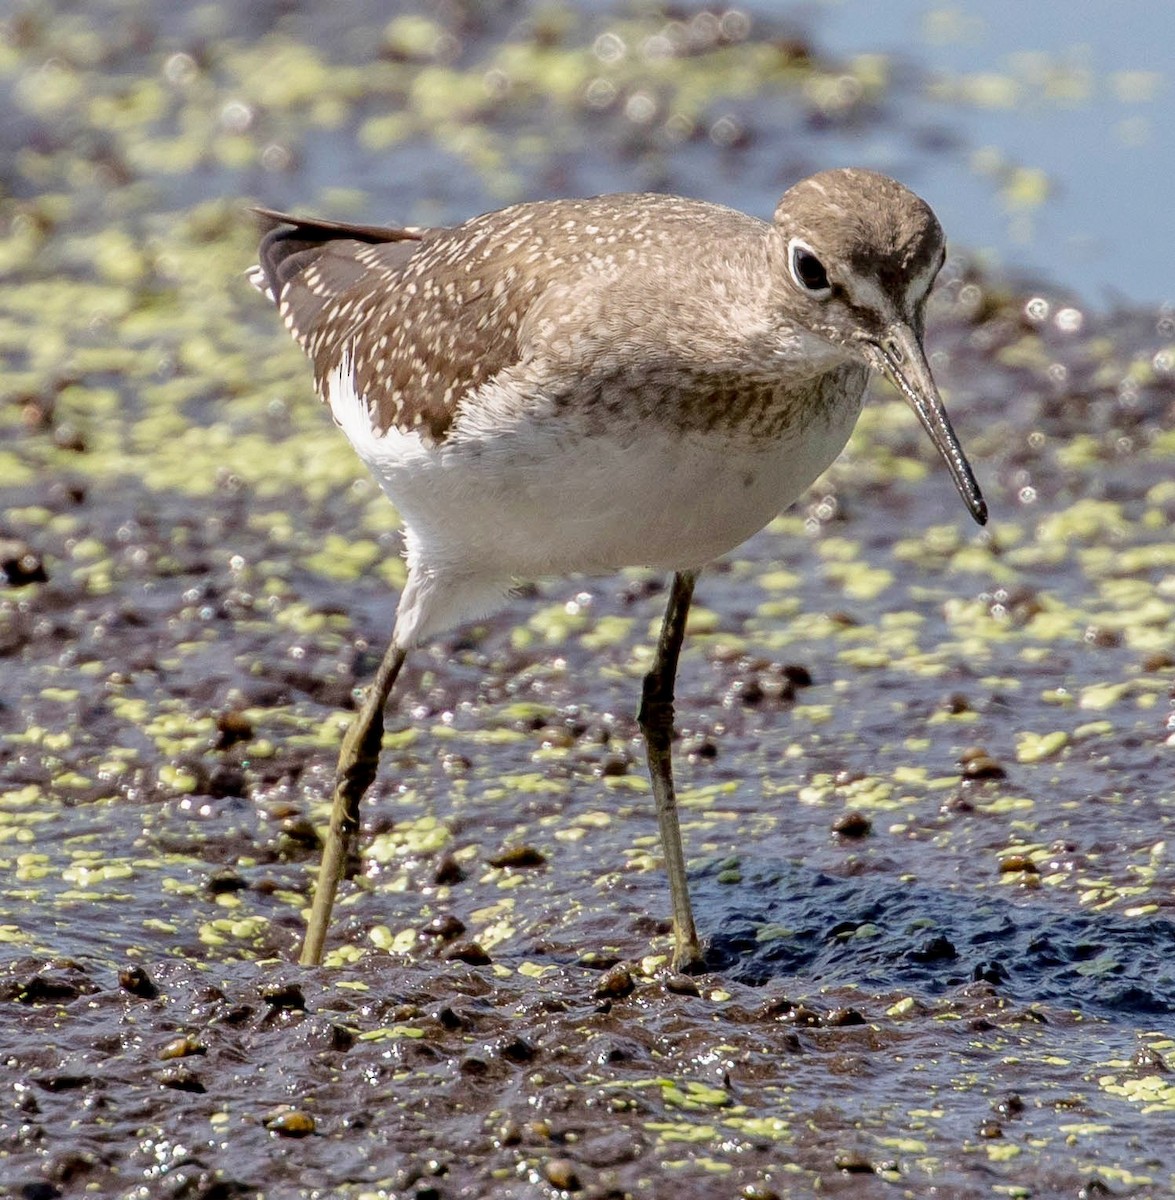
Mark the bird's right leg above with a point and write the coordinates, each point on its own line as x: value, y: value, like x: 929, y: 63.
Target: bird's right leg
x: 656, y: 722
x: 358, y: 761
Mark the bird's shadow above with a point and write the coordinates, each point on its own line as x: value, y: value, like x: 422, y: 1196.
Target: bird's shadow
x: 785, y: 921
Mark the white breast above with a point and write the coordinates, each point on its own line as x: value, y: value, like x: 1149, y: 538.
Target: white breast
x: 509, y: 498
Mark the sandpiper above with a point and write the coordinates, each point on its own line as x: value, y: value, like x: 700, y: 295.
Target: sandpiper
x: 577, y: 386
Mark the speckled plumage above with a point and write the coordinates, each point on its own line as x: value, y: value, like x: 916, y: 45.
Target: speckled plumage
x: 614, y: 295
x: 581, y: 385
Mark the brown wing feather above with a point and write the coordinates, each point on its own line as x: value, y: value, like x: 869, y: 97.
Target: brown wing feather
x: 423, y: 318
x: 391, y: 300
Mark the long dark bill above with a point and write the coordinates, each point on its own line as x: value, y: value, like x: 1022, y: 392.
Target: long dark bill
x: 900, y: 357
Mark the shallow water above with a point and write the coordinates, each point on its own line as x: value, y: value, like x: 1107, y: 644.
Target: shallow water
x: 1062, y: 156
x: 925, y: 770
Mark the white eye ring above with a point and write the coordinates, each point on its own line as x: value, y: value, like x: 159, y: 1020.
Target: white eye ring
x: 807, y: 270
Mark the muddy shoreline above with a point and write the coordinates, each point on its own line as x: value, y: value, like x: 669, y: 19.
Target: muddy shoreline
x: 925, y: 771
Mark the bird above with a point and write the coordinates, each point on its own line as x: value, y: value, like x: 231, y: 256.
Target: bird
x: 576, y: 386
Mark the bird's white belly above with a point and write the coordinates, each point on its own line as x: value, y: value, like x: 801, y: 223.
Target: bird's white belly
x: 529, y: 499
x: 657, y: 499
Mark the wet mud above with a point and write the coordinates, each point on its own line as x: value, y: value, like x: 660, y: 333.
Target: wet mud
x: 925, y: 771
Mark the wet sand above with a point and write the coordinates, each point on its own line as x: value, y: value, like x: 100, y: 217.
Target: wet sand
x: 926, y: 771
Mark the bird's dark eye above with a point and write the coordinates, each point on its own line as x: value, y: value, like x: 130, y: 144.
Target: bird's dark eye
x: 808, y: 271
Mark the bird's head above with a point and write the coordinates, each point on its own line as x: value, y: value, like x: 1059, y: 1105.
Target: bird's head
x: 855, y: 255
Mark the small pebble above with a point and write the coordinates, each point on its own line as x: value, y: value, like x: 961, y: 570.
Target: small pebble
x: 225, y: 881
x: 935, y: 949
x: 853, y: 1162
x: 455, y: 764
x: 1018, y: 862
x: 517, y: 1050
x: 682, y: 985
x: 840, y: 1018
x: 758, y: 1191
x: 468, y: 952
x: 300, y: 832
x: 701, y: 747
x: 1095, y: 1189
x: 290, y: 1122
x: 853, y: 824
x: 617, y: 981
x: 180, y: 1078
x: 19, y: 564
x: 226, y: 780
x: 775, y: 1008
x: 509, y: 1133
x: 518, y: 856
x: 597, y: 960
x: 232, y: 727
x: 448, y: 870
x: 182, y: 1047
x: 1148, y: 1059
x: 1101, y: 637
x: 978, y: 764
x: 284, y: 995
x: 136, y: 981
x: 445, y: 926
x: 449, y: 1019
x: 339, y: 1037
x: 748, y: 692
x: 560, y: 1173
